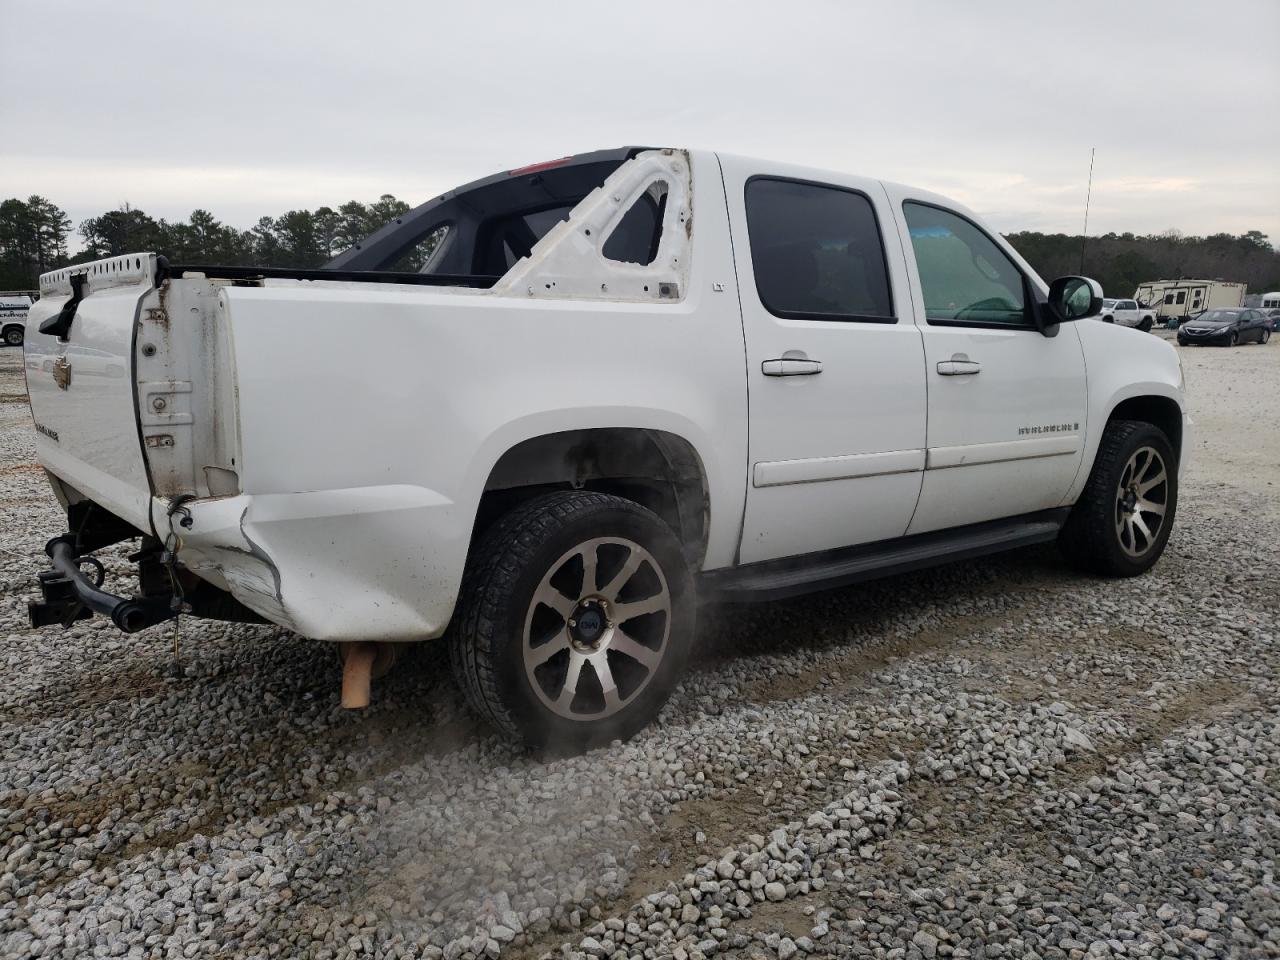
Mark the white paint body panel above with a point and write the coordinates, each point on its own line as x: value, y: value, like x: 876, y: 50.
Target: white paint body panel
x: 352, y: 426
x: 857, y: 430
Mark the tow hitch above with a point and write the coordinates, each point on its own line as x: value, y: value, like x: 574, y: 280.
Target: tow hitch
x: 70, y: 595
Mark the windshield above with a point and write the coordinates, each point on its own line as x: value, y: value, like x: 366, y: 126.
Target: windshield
x: 1218, y: 316
x: 1108, y: 304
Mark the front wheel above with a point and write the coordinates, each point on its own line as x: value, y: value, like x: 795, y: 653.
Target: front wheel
x: 575, y: 621
x: 1121, y: 523
x: 1233, y: 339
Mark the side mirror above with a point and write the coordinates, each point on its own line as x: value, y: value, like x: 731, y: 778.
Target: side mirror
x: 1074, y: 298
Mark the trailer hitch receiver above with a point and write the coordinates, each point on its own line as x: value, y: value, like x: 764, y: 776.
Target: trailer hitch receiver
x: 69, y: 594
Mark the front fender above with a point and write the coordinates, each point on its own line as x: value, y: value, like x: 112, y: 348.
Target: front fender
x: 1124, y: 364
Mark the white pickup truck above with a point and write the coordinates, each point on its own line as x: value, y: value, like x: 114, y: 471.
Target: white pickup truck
x: 1128, y: 313
x: 623, y: 381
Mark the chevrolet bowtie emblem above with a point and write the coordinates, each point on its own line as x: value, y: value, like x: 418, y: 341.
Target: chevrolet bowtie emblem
x: 62, y: 372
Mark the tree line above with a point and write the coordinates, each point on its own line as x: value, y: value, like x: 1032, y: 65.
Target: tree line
x: 1120, y: 262
x: 34, y: 235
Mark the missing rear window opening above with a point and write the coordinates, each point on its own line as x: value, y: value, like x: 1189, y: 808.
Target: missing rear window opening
x: 636, y: 237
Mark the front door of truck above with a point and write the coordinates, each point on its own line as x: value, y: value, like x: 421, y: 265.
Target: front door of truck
x: 1006, y: 404
x: 835, y: 371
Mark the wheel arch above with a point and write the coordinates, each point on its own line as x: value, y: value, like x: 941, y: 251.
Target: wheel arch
x: 1159, y: 410
x: 658, y: 469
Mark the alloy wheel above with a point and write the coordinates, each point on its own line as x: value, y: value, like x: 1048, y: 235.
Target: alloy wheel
x: 1141, y: 501
x: 597, y: 628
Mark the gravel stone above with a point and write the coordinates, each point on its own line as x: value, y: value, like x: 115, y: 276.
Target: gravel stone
x: 998, y: 758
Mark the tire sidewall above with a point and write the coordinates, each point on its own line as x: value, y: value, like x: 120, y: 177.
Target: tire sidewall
x: 542, y: 728
x: 1145, y: 436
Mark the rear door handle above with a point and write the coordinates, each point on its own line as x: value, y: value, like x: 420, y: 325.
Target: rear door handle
x: 959, y: 366
x: 789, y: 367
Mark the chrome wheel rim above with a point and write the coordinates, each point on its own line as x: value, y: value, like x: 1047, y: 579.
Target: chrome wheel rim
x: 1141, y: 501
x: 597, y: 628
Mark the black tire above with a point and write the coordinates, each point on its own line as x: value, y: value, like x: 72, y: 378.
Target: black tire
x: 1108, y: 319
x: 1092, y: 538
x: 1145, y: 325
x: 13, y: 336
x: 1234, y: 339
x: 515, y: 560
x: 1264, y: 336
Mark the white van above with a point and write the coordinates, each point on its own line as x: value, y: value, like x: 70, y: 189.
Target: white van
x: 13, y: 316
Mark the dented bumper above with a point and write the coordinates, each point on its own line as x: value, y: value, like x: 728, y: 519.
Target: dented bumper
x: 364, y: 563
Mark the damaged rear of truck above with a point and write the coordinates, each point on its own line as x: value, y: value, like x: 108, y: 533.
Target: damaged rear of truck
x: 315, y: 449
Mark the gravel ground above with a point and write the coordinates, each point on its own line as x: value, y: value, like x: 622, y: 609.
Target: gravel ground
x: 995, y: 759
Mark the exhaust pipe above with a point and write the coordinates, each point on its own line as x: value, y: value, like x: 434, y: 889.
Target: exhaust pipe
x: 363, y: 662
x: 357, y: 674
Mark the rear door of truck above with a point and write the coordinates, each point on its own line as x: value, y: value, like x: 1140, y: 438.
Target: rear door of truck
x: 835, y: 362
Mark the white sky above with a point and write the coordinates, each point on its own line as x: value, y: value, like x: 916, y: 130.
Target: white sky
x: 253, y: 108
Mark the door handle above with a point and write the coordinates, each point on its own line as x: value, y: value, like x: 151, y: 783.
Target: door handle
x: 790, y: 367
x: 959, y: 366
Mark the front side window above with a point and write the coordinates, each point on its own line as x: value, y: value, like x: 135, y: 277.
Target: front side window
x: 1128, y: 305
x: 817, y: 252
x: 967, y: 280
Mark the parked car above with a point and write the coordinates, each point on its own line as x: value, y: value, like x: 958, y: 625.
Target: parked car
x: 1226, y: 328
x: 1274, y: 316
x: 624, y: 381
x: 1128, y: 313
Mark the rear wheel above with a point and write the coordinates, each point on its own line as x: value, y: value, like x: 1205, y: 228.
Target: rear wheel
x: 575, y: 621
x: 13, y: 336
x: 1121, y: 523
x: 1264, y: 336
x: 1145, y: 325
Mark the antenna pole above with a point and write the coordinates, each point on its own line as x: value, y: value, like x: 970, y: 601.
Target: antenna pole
x: 1087, y: 197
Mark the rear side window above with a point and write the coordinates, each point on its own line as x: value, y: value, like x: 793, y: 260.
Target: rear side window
x: 817, y: 252
x: 966, y: 279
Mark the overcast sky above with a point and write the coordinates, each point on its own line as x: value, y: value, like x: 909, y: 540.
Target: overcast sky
x: 252, y: 108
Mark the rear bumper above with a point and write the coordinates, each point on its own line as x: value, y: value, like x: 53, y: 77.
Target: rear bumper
x: 365, y: 563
